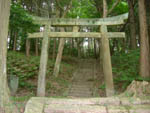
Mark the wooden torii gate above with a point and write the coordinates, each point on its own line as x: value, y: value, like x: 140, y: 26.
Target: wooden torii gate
x: 76, y: 23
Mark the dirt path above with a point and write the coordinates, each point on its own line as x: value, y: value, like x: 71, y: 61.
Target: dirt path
x: 83, y: 80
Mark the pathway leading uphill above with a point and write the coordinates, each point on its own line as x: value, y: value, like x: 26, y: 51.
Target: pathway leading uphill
x: 83, y: 78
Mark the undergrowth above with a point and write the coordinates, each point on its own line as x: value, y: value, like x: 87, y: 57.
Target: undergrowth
x: 27, y: 68
x: 126, y: 68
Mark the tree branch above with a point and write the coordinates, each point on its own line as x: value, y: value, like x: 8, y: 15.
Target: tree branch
x: 58, y: 5
x: 68, y: 7
x: 113, y: 6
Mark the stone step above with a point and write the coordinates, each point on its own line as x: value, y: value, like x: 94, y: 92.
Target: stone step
x: 82, y: 84
x: 80, y: 89
x: 80, y: 93
x: 57, y: 108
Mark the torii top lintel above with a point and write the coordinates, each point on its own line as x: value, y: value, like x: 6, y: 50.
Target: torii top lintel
x: 116, y: 20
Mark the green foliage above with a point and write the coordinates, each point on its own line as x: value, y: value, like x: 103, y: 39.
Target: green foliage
x: 23, y: 67
x: 21, y: 22
x: 121, y: 8
x: 102, y: 87
x: 126, y: 67
x: 20, y: 19
x: 27, y: 68
x: 83, y: 9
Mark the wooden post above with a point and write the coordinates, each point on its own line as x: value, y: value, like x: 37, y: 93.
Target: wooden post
x: 107, y: 68
x: 43, y: 63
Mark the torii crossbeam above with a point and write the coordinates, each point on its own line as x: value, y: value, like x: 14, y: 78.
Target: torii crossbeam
x: 104, y: 35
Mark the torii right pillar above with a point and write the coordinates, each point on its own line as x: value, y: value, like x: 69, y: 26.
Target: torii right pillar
x: 106, y: 61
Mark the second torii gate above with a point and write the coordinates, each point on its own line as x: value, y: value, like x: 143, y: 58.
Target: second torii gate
x: 76, y: 23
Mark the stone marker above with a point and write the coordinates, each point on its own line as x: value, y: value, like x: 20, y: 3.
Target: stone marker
x: 13, y: 82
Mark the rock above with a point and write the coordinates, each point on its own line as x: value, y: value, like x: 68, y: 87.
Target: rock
x: 13, y: 83
x: 137, y: 89
x: 35, y: 105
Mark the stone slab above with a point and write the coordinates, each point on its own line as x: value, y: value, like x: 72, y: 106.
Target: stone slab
x: 35, y: 105
x: 116, y: 109
x: 139, y: 109
x: 59, y: 108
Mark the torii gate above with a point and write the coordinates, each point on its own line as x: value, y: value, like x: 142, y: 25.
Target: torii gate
x: 76, y: 23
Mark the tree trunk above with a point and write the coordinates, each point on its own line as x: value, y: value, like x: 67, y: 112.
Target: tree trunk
x: 144, y: 42
x: 95, y: 49
x: 15, y: 41
x: 61, y: 44
x: 79, y: 48
x: 59, y: 56
x: 54, y: 49
x: 148, y: 16
x: 36, y: 47
x: 27, y: 47
x: 11, y: 40
x: 132, y: 25
x: 6, y: 105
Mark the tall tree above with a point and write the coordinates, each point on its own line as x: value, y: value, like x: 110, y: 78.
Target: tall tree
x: 5, y: 103
x: 132, y: 24
x: 144, y: 42
x: 61, y: 45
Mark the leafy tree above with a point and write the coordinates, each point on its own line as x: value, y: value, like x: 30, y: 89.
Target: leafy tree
x: 21, y: 22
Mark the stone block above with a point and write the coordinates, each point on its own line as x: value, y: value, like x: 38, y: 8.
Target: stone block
x: 35, y: 105
x: 140, y: 109
x: 64, y: 108
x: 117, y: 109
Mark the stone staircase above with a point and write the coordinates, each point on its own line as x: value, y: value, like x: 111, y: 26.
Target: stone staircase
x: 81, y: 84
x: 80, y: 90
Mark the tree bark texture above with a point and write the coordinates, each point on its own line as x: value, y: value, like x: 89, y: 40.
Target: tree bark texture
x: 6, y: 105
x: 132, y: 25
x: 27, y: 47
x: 36, y: 47
x: 54, y: 49
x: 79, y: 47
x: 15, y: 42
x: 144, y: 42
x: 59, y: 55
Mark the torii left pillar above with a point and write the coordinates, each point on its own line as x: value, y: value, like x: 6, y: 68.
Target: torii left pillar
x: 43, y: 63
